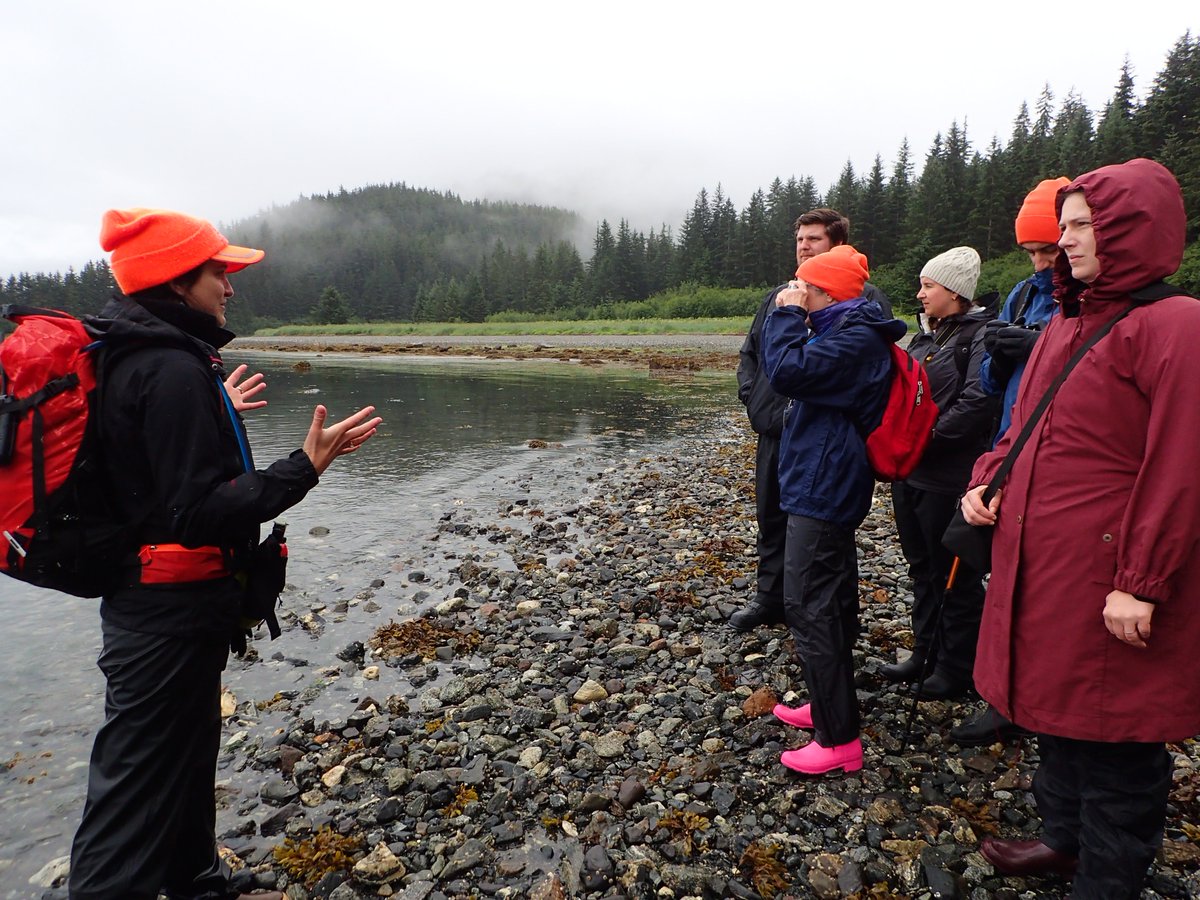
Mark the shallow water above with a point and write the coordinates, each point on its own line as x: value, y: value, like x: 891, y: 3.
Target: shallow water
x: 455, y: 441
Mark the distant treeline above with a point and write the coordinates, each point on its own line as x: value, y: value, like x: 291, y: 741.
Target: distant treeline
x: 393, y: 252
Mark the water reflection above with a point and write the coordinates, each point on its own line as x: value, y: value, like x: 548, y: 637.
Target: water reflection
x: 435, y: 409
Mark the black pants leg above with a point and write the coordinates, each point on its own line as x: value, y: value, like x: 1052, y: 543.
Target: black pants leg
x: 821, y: 610
x: 148, y: 823
x: 962, y: 611
x: 772, y: 523
x: 1106, y: 803
x: 921, y: 520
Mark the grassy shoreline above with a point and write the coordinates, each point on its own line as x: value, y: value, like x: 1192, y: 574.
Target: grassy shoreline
x: 733, y: 325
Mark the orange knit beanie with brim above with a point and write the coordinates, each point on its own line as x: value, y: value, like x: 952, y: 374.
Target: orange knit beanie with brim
x: 1037, y: 222
x: 840, y: 272
x: 151, y: 246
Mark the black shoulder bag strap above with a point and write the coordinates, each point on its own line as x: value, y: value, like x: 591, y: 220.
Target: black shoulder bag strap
x: 1044, y: 404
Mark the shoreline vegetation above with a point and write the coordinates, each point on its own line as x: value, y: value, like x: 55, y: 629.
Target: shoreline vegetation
x: 575, y: 719
x: 667, y: 344
x: 730, y: 325
x: 659, y: 350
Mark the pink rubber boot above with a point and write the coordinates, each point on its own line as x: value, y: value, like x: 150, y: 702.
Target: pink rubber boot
x: 796, y: 716
x: 813, y: 759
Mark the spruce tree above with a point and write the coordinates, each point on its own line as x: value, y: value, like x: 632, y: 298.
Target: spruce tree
x: 1115, y: 139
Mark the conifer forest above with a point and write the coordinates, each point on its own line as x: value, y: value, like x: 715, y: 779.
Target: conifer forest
x: 400, y: 253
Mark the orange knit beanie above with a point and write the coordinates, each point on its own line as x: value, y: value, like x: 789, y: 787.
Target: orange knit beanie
x: 1038, y: 221
x: 152, y: 246
x: 840, y: 272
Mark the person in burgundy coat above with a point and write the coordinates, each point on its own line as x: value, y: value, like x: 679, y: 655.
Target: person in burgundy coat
x: 1091, y: 628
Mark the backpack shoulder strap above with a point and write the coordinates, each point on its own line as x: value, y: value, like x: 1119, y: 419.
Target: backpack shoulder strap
x: 962, y: 346
x: 1022, y: 302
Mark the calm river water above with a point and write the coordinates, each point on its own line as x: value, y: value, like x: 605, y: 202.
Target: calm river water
x: 455, y: 440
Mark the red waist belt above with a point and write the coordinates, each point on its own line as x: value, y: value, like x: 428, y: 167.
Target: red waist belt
x: 173, y: 563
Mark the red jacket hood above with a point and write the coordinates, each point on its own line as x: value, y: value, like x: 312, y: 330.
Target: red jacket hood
x: 1139, y: 223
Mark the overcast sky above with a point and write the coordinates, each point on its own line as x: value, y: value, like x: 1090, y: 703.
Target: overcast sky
x: 621, y: 109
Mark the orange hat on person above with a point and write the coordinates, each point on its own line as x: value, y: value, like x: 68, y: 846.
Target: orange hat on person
x: 152, y: 246
x: 840, y: 272
x: 1038, y: 220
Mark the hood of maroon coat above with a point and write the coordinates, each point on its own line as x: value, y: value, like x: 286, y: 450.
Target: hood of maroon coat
x: 1139, y: 224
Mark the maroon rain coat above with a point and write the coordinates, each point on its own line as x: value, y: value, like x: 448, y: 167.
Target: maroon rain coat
x: 1106, y: 494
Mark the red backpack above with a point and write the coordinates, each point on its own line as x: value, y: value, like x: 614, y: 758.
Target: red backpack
x: 895, y: 447
x: 56, y: 530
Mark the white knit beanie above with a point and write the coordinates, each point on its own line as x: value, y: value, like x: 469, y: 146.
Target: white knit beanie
x: 956, y: 270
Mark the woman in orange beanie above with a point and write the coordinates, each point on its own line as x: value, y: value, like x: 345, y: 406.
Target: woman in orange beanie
x: 828, y: 349
x: 184, y: 487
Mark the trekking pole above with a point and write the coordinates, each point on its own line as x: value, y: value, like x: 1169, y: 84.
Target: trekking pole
x: 931, y: 655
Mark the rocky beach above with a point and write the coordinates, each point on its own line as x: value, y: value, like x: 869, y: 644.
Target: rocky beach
x: 569, y: 715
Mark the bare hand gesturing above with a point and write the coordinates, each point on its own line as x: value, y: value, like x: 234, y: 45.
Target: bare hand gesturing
x: 325, y: 444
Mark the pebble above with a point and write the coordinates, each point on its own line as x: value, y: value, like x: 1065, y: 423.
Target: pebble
x: 609, y: 735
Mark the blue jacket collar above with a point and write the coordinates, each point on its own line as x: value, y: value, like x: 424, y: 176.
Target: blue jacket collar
x: 823, y: 320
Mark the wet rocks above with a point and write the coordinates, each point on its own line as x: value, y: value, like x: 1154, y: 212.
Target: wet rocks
x: 575, y: 719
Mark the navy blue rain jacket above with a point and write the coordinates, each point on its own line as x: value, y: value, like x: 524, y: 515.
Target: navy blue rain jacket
x: 837, y: 377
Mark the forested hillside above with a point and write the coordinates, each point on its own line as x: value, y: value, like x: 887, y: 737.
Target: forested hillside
x: 393, y: 252
x: 379, y: 245
x: 901, y: 214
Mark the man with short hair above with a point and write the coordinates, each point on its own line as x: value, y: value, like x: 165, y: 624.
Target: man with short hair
x: 816, y: 231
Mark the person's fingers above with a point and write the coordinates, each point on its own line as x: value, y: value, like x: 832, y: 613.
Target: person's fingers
x: 359, y: 432
x: 355, y: 419
x: 252, y: 386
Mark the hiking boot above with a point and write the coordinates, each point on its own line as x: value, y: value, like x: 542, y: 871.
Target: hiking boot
x: 989, y: 727
x: 941, y: 687
x: 904, y: 672
x: 755, y: 613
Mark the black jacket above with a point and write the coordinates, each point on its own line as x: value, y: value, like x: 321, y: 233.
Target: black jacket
x: 967, y: 415
x: 171, y: 456
x: 764, y: 407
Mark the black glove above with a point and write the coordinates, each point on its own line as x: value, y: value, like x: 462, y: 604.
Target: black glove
x: 991, y: 329
x: 1015, y: 343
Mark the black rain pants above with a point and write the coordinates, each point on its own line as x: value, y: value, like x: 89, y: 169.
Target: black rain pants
x: 821, y: 611
x: 921, y: 520
x: 149, y: 820
x: 1106, y: 804
x: 772, y: 523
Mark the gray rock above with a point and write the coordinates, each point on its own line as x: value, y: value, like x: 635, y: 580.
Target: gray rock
x: 467, y: 859
x: 276, y: 791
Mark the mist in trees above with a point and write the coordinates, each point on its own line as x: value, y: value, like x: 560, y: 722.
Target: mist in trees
x: 394, y: 252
